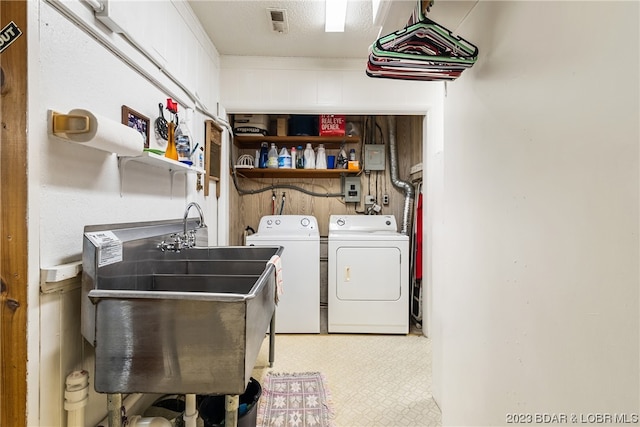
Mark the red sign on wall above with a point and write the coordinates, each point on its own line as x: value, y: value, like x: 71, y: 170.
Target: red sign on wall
x: 332, y: 125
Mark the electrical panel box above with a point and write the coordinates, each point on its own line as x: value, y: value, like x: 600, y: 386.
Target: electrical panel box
x: 352, y: 189
x: 374, y: 159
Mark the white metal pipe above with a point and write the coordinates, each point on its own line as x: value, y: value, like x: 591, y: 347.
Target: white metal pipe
x: 190, y: 412
x: 95, y: 4
x: 76, y: 396
x: 198, y: 105
x: 231, y: 403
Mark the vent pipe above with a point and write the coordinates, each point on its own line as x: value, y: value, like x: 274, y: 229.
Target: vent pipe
x: 406, y: 187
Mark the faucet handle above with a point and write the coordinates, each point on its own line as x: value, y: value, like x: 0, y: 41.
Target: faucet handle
x: 191, y: 238
x: 164, y: 246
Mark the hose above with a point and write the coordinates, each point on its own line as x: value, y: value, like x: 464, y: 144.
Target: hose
x: 282, y: 204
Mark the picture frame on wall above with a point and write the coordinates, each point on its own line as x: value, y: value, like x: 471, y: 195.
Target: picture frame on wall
x: 137, y: 121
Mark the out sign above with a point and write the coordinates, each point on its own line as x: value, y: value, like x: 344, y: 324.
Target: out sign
x: 8, y: 35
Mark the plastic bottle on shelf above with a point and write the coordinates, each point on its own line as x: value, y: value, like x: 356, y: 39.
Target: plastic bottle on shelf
x: 342, y: 159
x: 294, y: 159
x: 272, y: 159
x: 309, y: 157
x: 321, y: 158
x: 300, y: 159
x: 200, y: 158
x: 352, y: 154
x: 284, y: 159
x: 183, y: 147
x: 264, y: 155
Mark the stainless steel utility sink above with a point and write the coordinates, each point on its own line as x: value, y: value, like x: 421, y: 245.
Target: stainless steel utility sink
x: 188, y: 322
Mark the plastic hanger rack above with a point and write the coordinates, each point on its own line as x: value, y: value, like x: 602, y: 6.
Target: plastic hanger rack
x: 424, y: 50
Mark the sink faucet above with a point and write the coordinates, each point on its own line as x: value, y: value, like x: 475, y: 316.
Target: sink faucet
x: 186, y: 213
x: 188, y: 238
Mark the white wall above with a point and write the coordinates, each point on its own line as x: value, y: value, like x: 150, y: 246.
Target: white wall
x: 72, y: 186
x: 537, y: 297
x: 308, y: 85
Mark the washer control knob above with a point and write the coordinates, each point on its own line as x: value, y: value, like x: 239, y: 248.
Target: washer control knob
x: 305, y: 222
x: 341, y: 222
x: 269, y: 222
x: 388, y: 222
x: 277, y: 222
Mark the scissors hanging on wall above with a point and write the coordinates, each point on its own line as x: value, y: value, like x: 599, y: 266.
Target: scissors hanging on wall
x: 424, y: 50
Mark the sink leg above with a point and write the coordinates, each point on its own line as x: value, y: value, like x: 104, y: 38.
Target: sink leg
x: 231, y: 403
x: 114, y: 409
x: 272, y: 340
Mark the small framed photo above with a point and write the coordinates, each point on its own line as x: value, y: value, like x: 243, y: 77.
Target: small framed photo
x: 135, y: 120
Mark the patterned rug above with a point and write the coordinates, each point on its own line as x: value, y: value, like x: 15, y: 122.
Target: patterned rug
x: 295, y: 400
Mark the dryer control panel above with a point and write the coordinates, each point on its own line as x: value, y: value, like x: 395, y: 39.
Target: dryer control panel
x: 363, y: 223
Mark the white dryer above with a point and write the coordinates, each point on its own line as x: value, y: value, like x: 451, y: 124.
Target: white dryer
x: 368, y: 275
x: 298, y: 309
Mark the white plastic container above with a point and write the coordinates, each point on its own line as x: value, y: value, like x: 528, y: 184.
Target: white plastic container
x: 309, y: 157
x: 272, y: 159
x: 284, y: 159
x: 321, y: 159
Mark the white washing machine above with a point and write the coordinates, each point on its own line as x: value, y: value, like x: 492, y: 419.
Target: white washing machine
x: 368, y: 275
x: 298, y: 309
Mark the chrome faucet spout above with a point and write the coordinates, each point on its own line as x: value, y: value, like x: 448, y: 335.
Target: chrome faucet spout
x: 186, y: 214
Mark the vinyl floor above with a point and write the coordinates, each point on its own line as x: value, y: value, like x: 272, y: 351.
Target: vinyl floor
x: 374, y: 380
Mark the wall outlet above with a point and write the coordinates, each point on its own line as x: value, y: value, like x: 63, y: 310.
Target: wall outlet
x: 385, y: 199
x: 369, y: 200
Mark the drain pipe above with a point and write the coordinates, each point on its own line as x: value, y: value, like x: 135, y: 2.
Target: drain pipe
x: 402, y: 185
x: 76, y: 396
x: 190, y: 416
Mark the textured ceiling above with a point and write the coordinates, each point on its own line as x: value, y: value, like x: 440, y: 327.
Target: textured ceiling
x: 243, y: 27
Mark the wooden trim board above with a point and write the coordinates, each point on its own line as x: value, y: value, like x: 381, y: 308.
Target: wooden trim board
x: 13, y: 220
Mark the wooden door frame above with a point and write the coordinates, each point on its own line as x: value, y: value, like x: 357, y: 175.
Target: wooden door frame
x: 13, y: 220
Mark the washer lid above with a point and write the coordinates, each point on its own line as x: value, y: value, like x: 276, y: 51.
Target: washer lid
x: 288, y: 225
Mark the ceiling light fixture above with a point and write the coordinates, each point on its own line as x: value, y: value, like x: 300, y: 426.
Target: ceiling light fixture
x: 335, y: 15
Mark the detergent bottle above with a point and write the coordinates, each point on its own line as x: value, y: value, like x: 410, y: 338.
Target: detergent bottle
x: 272, y: 160
x: 284, y: 159
x: 300, y: 158
x: 321, y: 158
x: 264, y: 155
x: 309, y: 157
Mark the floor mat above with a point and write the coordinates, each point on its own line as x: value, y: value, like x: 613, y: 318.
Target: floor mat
x: 295, y: 400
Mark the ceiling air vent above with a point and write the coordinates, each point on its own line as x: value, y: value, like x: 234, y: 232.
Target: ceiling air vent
x: 278, y: 19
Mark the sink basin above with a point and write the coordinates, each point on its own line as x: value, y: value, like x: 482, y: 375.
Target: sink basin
x: 189, y: 322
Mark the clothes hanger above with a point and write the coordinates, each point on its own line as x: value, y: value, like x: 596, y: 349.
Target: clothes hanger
x: 424, y: 50
x: 438, y: 44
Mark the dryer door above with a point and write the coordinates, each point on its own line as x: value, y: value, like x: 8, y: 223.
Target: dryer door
x: 368, y: 274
